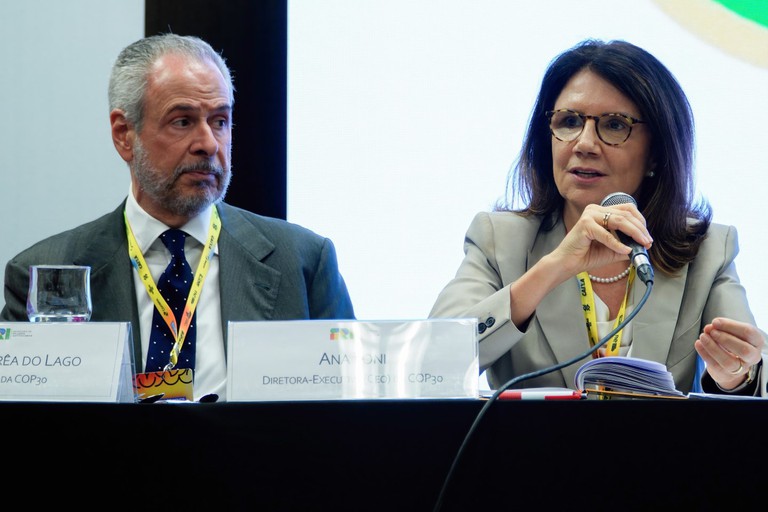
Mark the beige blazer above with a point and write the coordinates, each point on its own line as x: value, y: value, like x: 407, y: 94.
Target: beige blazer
x: 501, y: 246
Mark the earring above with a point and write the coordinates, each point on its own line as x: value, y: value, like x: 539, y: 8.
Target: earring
x: 650, y: 174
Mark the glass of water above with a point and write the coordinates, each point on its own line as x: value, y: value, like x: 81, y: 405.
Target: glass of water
x: 59, y: 293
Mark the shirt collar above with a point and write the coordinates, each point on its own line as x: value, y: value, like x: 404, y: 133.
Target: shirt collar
x: 146, y: 229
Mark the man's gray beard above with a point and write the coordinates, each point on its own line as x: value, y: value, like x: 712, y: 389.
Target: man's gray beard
x: 161, y: 189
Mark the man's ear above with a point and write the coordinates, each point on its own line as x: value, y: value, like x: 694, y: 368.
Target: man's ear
x: 123, y: 134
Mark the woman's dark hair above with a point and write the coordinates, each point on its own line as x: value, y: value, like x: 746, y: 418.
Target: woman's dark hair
x: 676, y: 222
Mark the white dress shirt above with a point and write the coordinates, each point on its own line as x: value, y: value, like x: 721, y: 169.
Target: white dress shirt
x: 210, y: 374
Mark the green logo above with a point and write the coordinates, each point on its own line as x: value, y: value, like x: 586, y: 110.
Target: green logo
x: 754, y: 10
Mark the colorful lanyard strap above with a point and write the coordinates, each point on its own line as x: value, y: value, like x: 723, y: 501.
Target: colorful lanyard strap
x: 137, y: 260
x: 588, y: 305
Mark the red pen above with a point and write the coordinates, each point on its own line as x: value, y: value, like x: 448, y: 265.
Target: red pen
x: 541, y: 394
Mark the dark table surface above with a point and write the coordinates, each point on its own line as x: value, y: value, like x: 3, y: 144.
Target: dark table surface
x: 389, y: 455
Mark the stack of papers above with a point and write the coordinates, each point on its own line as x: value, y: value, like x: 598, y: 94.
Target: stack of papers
x: 626, y: 376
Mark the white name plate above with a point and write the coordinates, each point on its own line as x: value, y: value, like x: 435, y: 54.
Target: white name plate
x: 332, y: 359
x: 66, y: 362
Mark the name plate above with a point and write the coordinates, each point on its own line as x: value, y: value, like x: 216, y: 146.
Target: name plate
x: 66, y: 362
x: 332, y: 359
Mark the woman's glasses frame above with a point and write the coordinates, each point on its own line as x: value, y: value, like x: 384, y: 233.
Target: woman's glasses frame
x: 567, y: 134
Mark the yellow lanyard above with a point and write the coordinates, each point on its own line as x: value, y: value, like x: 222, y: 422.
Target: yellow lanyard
x: 588, y: 305
x: 137, y: 260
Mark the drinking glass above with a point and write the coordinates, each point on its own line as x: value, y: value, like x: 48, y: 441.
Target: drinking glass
x: 59, y: 293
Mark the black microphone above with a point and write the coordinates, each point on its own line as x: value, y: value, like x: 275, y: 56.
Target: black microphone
x: 638, y: 256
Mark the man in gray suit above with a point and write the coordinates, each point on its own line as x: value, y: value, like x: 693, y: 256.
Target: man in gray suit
x: 171, y: 99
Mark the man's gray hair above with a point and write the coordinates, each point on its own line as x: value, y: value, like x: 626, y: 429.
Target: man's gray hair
x: 128, y: 81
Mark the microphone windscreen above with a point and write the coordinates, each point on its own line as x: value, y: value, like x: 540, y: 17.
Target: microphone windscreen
x: 618, y: 198
x: 638, y: 256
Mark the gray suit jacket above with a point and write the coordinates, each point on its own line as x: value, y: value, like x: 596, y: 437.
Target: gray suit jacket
x: 502, y: 246
x: 269, y: 269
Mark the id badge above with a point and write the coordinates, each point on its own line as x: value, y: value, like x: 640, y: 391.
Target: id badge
x: 170, y: 384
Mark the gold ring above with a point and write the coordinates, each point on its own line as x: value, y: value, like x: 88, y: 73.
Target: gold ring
x: 738, y: 370
x: 605, y: 220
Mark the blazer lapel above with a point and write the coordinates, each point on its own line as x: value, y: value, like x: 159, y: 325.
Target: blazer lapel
x: 654, y: 326
x: 249, y: 287
x: 559, y: 315
x: 112, y: 289
x: 561, y: 320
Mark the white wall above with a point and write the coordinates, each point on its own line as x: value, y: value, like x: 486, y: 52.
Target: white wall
x: 58, y: 167
x: 405, y: 116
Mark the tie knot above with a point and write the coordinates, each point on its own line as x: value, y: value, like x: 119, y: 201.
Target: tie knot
x: 174, y: 241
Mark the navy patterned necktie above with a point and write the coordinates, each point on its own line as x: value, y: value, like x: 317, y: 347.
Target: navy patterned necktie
x: 174, y: 286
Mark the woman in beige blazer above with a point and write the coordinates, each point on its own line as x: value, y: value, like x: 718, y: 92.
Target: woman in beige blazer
x: 546, y: 274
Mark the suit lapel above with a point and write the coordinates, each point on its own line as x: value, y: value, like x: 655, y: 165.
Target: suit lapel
x: 112, y: 287
x: 654, y: 326
x: 561, y: 319
x: 249, y: 287
x: 559, y: 315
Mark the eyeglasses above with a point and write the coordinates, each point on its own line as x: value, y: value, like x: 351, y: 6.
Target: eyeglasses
x: 613, y: 129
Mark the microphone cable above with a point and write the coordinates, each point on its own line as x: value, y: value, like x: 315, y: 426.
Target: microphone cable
x: 526, y: 376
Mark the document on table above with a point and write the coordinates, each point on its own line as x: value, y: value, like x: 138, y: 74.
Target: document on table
x: 627, y: 375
